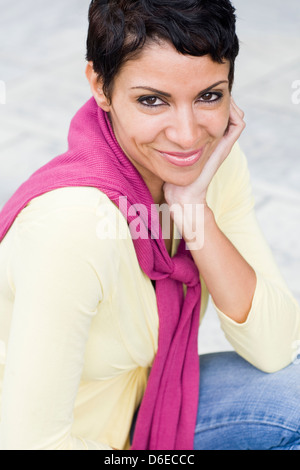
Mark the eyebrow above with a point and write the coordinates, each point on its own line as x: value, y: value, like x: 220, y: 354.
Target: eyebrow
x: 167, y: 95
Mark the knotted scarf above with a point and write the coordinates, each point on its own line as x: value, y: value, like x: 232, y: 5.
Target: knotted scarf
x: 167, y: 415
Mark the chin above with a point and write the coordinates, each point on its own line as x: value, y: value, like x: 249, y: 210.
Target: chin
x: 183, y: 180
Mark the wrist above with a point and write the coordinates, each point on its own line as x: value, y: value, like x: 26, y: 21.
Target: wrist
x: 191, y: 220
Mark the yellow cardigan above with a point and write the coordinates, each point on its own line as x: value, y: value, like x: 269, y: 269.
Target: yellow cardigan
x: 79, y: 321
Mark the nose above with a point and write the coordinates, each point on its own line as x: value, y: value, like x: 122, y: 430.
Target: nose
x: 183, y: 129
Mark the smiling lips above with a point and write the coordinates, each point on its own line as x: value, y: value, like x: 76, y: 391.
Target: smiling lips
x: 183, y: 159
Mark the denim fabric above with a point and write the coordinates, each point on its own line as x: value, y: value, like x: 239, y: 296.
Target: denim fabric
x: 243, y: 408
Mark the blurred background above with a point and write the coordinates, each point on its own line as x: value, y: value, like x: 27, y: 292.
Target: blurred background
x: 42, y: 85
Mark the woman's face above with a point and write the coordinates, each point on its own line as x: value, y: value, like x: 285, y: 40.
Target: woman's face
x: 168, y: 112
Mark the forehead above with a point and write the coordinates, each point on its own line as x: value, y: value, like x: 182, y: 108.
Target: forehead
x: 159, y: 64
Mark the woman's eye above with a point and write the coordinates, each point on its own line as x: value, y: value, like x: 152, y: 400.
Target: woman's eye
x: 211, y: 97
x: 150, y: 101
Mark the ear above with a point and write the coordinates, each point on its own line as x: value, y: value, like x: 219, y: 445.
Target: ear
x: 96, y: 87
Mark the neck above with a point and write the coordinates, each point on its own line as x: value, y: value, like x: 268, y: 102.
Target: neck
x: 155, y: 187
x: 158, y: 195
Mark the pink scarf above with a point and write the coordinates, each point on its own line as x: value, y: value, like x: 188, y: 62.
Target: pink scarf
x: 167, y: 415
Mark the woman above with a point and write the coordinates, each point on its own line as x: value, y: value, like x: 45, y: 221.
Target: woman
x: 101, y: 294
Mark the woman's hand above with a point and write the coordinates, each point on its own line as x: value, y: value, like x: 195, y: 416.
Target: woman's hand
x: 188, y: 202
x: 230, y: 280
x: 196, y: 192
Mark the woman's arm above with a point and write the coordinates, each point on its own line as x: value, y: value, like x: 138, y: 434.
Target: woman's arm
x: 57, y: 293
x: 269, y: 336
x: 229, y: 278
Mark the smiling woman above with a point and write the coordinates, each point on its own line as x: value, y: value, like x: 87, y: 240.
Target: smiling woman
x: 100, y: 334
x: 160, y: 132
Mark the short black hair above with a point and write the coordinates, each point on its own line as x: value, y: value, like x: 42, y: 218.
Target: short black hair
x: 119, y: 29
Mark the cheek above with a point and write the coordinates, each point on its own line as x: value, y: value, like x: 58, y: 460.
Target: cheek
x: 217, y: 123
x: 224, y: 119
x: 147, y: 131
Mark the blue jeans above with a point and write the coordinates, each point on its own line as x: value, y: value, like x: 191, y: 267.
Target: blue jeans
x: 242, y: 408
